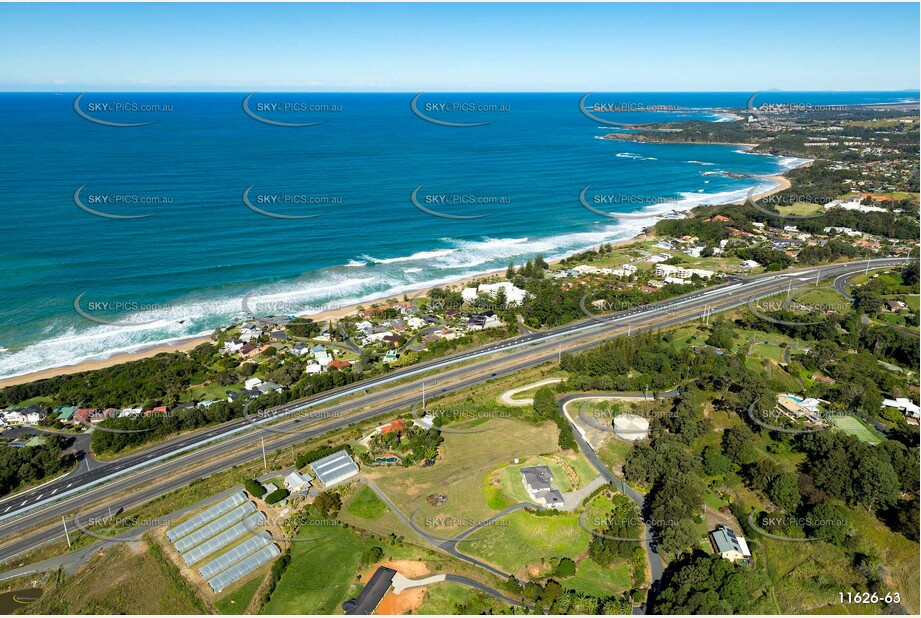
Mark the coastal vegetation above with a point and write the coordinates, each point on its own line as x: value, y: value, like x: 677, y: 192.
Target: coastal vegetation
x: 29, y: 464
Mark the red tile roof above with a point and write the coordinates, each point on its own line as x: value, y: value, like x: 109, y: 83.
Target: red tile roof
x: 397, y: 425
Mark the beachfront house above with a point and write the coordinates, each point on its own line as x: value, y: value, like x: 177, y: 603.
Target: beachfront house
x: 233, y: 346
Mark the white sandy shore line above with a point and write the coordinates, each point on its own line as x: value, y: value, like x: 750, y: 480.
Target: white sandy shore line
x: 188, y: 343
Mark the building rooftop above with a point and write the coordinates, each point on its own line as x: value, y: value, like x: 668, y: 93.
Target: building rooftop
x: 334, y: 468
x: 538, y: 477
x: 726, y: 540
x: 370, y: 596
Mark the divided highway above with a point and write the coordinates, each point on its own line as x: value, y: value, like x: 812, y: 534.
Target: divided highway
x: 181, y: 460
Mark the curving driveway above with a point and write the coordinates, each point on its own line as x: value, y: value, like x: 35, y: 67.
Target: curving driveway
x: 506, y: 397
x: 655, y: 560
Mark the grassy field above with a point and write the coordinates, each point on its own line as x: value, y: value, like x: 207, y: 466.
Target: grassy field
x: 238, y: 599
x: 599, y: 581
x: 899, y: 555
x: 854, y: 426
x: 524, y: 546
x: 366, y: 511
x: 824, y: 297
x: 445, y: 597
x: 366, y: 505
x: 465, y: 461
x: 769, y: 351
x: 320, y: 575
x: 323, y: 572
x: 123, y: 579
x: 799, y: 208
x: 795, y: 577
x: 614, y: 453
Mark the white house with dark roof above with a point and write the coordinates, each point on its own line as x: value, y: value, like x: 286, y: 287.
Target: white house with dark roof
x: 538, y: 482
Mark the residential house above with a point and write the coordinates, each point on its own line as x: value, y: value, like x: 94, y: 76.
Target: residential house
x: 233, y: 345
x: 728, y: 544
x: 65, y: 413
x: 538, y: 482
x: 398, y: 425
x: 905, y: 405
x: 269, y: 387
x: 297, y: 482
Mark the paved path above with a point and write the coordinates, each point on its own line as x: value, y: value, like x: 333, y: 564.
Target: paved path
x: 506, y: 397
x: 447, y: 546
x: 506, y: 511
x: 460, y: 579
x: 572, y: 499
x: 841, y: 286
x: 401, y: 582
x: 655, y: 561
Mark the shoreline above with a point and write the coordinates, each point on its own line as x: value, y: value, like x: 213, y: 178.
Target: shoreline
x: 188, y: 343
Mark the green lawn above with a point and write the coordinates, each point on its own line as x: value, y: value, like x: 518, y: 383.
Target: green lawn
x: 365, y: 504
x: 823, y: 298
x: 444, y: 598
x: 513, y: 487
x: 321, y: 573
x: 913, y: 301
x: 799, y: 208
x: 366, y: 511
x: 237, y: 600
x: 466, y: 464
x: 854, y: 426
x: 769, y: 351
x: 530, y: 540
x: 599, y: 581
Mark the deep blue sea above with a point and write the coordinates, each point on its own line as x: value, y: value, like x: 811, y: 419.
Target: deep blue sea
x: 186, y: 267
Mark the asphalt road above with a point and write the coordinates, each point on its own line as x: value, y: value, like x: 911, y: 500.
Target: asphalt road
x: 145, y: 472
x: 655, y: 560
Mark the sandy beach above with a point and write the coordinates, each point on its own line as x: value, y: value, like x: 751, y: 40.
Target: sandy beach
x: 335, y: 314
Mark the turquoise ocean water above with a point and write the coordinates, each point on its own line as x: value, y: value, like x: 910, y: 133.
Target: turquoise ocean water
x: 195, y: 249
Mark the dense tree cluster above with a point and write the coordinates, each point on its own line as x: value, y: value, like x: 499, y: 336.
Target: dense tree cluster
x: 702, y: 584
x: 546, y: 407
x: 20, y: 466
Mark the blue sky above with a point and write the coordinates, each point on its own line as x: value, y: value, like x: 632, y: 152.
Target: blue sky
x: 471, y: 47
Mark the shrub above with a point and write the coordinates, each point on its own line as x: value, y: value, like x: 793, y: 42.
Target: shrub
x: 254, y: 488
x: 276, y: 496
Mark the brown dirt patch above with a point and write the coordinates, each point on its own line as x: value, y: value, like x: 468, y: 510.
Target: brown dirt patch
x: 412, y: 569
x: 403, y: 603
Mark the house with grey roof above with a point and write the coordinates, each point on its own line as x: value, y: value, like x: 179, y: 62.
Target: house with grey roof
x: 728, y: 544
x: 538, y: 482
